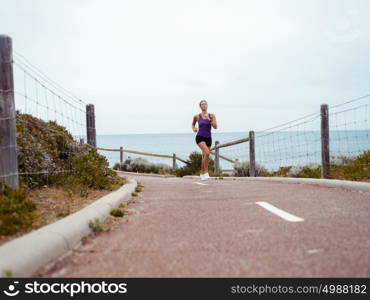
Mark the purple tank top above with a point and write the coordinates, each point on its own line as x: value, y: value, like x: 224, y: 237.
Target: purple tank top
x: 204, y: 126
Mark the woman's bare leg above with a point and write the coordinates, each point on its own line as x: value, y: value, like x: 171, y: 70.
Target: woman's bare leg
x: 205, y: 157
x: 206, y: 160
x: 201, y: 164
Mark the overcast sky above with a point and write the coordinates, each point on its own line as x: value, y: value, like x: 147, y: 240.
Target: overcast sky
x: 147, y: 64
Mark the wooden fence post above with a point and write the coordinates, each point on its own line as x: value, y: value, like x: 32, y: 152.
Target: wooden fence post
x: 217, y: 157
x: 121, y: 155
x: 174, y: 161
x: 252, y: 159
x: 8, y: 142
x: 325, y: 152
x: 90, y: 125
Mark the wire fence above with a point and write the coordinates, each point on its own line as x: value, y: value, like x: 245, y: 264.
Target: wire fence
x: 46, y: 117
x: 350, y: 134
x: 299, y: 142
x: 37, y: 117
x: 38, y: 96
x: 296, y: 143
x: 45, y: 107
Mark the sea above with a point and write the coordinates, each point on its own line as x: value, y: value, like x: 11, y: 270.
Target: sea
x: 272, y: 149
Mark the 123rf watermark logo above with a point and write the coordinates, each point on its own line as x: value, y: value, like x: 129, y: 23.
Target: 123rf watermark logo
x: 70, y: 289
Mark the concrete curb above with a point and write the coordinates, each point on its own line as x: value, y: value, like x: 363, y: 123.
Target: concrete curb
x: 25, y: 255
x: 144, y: 174
x: 346, y: 184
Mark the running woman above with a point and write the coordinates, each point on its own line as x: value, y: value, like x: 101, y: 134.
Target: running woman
x: 204, y: 138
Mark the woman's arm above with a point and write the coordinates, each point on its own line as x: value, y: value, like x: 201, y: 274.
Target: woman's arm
x: 213, y: 121
x: 193, y: 124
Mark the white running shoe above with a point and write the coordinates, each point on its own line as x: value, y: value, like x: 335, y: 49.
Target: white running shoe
x: 201, y: 176
x: 206, y: 175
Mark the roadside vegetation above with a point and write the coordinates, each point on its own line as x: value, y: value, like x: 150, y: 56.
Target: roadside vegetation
x: 355, y: 168
x: 142, y: 165
x: 59, y: 177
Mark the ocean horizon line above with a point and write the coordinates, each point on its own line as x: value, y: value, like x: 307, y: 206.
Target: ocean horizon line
x: 218, y: 132
x: 166, y: 133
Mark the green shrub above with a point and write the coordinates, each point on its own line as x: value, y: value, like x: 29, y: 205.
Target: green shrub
x: 355, y: 168
x: 91, y: 169
x: 341, y: 167
x: 7, y: 273
x: 41, y: 147
x: 309, y: 171
x: 341, y: 160
x: 49, y: 147
x: 242, y: 169
x: 16, y: 211
x: 142, y: 165
x: 116, y: 212
x: 97, y: 226
x: 122, y: 205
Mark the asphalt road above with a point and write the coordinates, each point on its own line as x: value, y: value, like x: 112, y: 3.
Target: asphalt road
x: 217, y: 228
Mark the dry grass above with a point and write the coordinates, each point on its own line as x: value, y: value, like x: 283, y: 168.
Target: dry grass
x: 54, y: 203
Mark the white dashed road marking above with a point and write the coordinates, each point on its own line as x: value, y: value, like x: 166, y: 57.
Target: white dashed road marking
x: 201, y: 183
x: 281, y: 213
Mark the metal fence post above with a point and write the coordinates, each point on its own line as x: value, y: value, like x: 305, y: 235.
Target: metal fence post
x: 325, y: 152
x: 8, y: 142
x: 252, y: 159
x: 90, y: 125
x: 217, y: 157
